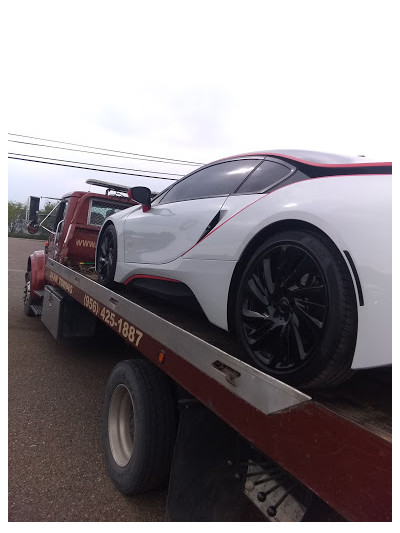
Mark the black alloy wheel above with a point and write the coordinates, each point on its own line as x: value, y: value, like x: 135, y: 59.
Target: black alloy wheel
x: 285, y: 306
x: 107, y: 256
x: 295, y: 303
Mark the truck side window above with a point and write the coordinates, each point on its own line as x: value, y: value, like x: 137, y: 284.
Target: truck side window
x: 99, y: 210
x: 54, y: 217
x: 60, y: 214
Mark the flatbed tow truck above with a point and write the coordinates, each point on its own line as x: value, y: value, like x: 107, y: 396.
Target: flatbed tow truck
x: 235, y: 443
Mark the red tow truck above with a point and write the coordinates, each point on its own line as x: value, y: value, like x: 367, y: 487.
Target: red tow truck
x: 235, y: 443
x: 73, y: 226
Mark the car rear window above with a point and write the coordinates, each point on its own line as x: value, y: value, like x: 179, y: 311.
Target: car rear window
x: 266, y: 175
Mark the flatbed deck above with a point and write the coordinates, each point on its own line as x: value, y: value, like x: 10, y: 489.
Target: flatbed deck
x: 336, y: 442
x: 366, y: 399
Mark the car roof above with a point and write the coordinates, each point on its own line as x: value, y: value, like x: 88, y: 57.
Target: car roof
x: 309, y: 157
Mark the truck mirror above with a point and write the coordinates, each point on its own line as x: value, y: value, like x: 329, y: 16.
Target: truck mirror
x: 32, y: 227
x: 32, y: 210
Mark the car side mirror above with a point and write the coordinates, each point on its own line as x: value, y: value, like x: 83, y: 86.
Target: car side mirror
x: 142, y: 195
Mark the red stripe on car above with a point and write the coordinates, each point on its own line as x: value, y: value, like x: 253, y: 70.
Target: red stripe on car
x: 146, y: 276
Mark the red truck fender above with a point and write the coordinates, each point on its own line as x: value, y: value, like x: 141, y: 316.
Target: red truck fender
x: 36, y: 266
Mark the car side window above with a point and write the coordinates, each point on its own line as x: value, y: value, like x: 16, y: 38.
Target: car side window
x: 221, y: 179
x: 264, y: 176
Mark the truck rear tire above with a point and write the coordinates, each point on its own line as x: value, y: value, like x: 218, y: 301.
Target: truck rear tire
x: 139, y: 426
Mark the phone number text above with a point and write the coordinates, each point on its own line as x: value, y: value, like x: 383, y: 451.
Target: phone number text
x: 121, y: 326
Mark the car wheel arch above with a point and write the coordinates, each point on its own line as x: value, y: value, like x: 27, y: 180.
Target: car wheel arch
x: 102, y: 230
x: 104, y: 227
x: 257, y: 240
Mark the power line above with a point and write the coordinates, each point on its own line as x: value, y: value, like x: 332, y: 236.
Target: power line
x: 87, y: 168
x: 137, y: 156
x: 96, y: 153
x: 94, y: 164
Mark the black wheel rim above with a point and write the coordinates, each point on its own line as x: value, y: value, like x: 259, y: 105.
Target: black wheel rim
x: 284, y: 305
x: 105, y: 256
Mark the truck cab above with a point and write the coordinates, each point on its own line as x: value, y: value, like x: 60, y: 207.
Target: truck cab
x: 73, y: 226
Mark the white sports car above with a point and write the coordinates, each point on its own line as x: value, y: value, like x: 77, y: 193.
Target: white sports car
x: 290, y: 250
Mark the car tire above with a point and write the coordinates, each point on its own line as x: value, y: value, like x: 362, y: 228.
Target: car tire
x: 106, y: 260
x: 296, y: 310
x: 139, y: 426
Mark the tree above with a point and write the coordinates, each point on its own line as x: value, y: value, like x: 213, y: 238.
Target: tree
x: 17, y: 213
x: 46, y: 210
x: 49, y: 206
x: 16, y: 217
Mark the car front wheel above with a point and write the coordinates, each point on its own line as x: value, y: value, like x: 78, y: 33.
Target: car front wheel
x: 296, y: 312
x: 107, y: 256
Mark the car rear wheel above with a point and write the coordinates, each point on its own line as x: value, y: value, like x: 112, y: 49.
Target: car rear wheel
x: 296, y: 312
x: 107, y: 256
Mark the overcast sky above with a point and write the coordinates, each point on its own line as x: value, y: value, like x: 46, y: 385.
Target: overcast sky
x: 194, y: 81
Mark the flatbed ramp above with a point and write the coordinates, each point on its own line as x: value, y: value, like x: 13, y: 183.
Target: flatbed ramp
x: 336, y: 442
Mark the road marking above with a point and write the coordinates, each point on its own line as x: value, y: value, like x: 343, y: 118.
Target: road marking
x: 14, y: 270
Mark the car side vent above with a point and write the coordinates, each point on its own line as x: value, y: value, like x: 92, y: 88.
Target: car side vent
x: 211, y: 225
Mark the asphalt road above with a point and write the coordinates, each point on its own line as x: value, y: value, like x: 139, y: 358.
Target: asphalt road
x: 56, y: 468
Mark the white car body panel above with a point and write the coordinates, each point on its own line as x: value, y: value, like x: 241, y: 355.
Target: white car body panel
x: 167, y: 231
x: 352, y: 210
x: 365, y: 232
x: 209, y: 281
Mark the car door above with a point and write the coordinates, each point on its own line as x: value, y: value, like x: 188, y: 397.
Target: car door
x: 183, y: 214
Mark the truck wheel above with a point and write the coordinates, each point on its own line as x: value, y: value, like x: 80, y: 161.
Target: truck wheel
x: 27, y: 295
x: 107, y: 256
x: 139, y: 426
